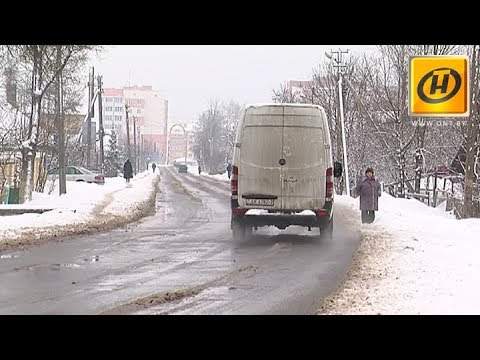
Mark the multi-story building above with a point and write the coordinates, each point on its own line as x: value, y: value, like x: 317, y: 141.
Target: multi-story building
x: 299, y: 89
x: 113, y: 106
x: 147, y: 112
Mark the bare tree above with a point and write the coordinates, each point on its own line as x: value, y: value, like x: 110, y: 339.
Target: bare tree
x: 382, y: 134
x: 422, y: 126
x: 10, y: 121
x: 471, y: 134
x: 322, y: 90
x: 215, y: 134
x: 42, y: 65
x: 208, y: 134
x: 233, y: 112
x: 284, y: 95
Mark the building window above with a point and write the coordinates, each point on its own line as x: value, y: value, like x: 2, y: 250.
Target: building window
x: 118, y: 118
x: 118, y: 108
x: 108, y: 108
x: 108, y: 118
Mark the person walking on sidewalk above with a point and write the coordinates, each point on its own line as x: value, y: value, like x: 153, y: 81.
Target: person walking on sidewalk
x: 127, y: 170
x: 369, y: 191
x: 229, y: 170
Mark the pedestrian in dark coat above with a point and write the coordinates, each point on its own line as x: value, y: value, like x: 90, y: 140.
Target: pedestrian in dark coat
x: 229, y: 170
x: 127, y: 170
x: 369, y: 191
x: 153, y: 167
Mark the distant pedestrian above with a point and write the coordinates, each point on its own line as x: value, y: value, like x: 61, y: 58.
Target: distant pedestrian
x: 199, y: 169
x: 229, y: 170
x: 369, y: 191
x: 153, y: 167
x: 127, y: 170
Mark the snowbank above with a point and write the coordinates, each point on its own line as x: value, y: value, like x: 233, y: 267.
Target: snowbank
x: 85, y: 207
x: 413, y: 259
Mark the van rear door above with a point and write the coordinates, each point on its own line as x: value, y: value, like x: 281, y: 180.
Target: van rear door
x: 304, y: 150
x: 259, y: 171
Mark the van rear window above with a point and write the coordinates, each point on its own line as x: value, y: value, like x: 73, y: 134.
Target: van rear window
x: 304, y: 147
x: 262, y: 145
x: 301, y: 147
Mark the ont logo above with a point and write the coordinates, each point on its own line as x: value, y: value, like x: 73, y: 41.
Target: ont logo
x: 446, y: 73
x: 439, y: 86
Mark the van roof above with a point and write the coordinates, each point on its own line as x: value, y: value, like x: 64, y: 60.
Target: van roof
x: 284, y: 104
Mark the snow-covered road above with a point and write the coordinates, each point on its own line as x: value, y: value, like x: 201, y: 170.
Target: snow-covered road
x: 413, y: 259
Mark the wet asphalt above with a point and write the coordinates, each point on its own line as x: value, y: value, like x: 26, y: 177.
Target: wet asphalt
x: 180, y: 260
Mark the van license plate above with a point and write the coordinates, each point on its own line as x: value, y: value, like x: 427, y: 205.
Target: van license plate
x: 260, y: 202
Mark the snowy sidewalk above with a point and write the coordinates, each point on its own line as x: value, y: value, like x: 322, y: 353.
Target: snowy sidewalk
x: 85, y: 208
x: 413, y: 259
x: 223, y: 177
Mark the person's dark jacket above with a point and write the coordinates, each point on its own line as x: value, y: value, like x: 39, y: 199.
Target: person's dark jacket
x: 369, y: 191
x: 127, y: 170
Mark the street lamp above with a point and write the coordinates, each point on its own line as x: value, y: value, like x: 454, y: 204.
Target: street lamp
x: 342, y: 119
x: 127, y: 111
x: 135, y: 168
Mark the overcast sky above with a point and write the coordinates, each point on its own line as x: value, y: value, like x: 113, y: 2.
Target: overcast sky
x: 188, y: 76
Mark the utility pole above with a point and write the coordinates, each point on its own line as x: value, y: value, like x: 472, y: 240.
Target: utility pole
x: 340, y: 67
x: 168, y: 145
x: 134, y: 145
x: 100, y: 125
x: 129, y: 154
x: 186, y: 144
x: 60, y: 130
x: 141, y: 152
x: 90, y: 115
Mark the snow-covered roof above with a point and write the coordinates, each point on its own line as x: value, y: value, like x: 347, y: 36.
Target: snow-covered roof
x: 258, y: 105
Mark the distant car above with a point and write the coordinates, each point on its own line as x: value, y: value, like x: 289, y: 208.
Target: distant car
x: 218, y: 171
x: 78, y: 173
x: 182, y: 168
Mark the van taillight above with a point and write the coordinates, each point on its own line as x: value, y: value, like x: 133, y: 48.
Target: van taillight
x: 329, y: 185
x: 239, y: 211
x: 321, y: 212
x: 234, y: 180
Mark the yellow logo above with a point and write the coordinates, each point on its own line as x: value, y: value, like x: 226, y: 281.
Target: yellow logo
x: 439, y: 85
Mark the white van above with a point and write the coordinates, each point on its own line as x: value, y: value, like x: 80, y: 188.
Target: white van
x: 282, y: 169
